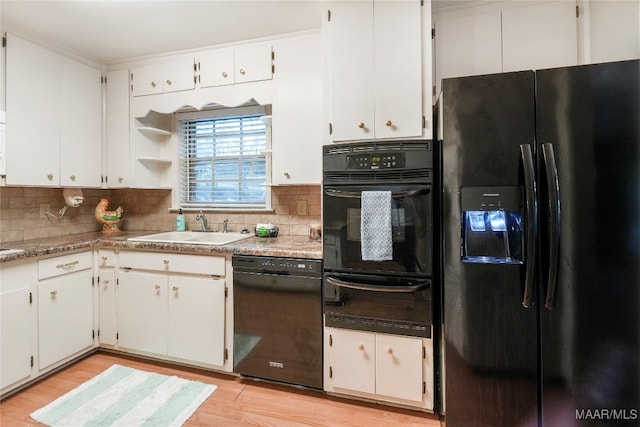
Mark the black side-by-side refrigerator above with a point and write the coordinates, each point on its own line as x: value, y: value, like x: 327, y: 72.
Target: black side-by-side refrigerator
x: 541, y: 258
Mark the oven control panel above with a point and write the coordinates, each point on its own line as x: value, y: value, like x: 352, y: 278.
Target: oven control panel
x: 376, y: 160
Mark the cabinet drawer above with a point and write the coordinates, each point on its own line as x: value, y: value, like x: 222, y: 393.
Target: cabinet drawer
x: 106, y: 258
x: 176, y: 263
x: 52, y: 267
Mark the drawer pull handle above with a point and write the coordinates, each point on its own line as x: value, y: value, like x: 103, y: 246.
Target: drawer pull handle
x: 361, y: 347
x: 54, y: 294
x: 175, y: 289
x: 68, y: 265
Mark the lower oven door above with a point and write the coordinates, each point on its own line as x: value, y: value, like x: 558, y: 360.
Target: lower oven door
x: 391, y: 305
x: 411, y: 234
x: 278, y: 327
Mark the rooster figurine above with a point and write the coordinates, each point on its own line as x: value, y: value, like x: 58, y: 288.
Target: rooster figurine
x: 108, y: 219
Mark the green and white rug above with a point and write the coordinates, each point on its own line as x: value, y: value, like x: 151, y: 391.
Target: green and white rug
x: 126, y: 397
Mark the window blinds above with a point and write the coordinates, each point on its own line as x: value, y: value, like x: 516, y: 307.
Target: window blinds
x: 223, y: 162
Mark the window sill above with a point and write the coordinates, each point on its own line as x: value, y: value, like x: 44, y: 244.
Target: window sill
x: 223, y: 211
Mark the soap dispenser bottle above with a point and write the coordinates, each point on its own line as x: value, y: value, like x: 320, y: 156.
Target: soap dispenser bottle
x: 180, y: 222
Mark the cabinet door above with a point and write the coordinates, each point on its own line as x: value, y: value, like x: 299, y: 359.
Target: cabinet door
x: 142, y: 312
x: 16, y: 334
x: 353, y: 356
x: 107, y: 307
x: 297, y: 112
x: 33, y: 114
x: 540, y: 36
x: 117, y: 149
x: 147, y: 80
x: 351, y: 70
x: 467, y: 46
x: 252, y: 64
x: 216, y: 69
x: 81, y: 124
x: 178, y: 76
x: 196, y: 319
x: 399, y: 367
x: 397, y: 68
x: 65, y: 316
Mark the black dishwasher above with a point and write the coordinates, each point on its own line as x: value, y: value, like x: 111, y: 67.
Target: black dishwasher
x: 277, y: 305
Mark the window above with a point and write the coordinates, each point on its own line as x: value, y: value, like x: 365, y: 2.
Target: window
x: 222, y: 159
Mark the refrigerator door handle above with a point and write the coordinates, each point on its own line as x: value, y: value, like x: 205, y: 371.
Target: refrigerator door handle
x: 531, y: 223
x: 553, y: 191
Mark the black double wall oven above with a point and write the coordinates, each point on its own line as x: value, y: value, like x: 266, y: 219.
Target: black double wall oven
x: 378, y: 236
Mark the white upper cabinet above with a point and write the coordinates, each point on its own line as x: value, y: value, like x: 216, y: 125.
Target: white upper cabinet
x: 172, y: 76
x: 469, y: 45
x: 239, y: 65
x: 252, y: 64
x: 502, y: 37
x: 117, y: 149
x: 376, y: 68
x: 296, y: 134
x: 540, y: 36
x: 54, y: 118
x: 81, y: 125
x: 216, y: 69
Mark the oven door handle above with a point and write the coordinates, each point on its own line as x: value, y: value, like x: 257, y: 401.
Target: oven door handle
x: 357, y: 195
x: 377, y: 288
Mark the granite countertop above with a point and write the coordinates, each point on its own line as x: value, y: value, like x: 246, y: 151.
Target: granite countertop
x: 284, y: 246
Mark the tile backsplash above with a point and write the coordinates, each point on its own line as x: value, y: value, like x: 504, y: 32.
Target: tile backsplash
x: 145, y: 210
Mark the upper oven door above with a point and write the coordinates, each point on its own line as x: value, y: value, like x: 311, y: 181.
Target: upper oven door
x: 411, y: 217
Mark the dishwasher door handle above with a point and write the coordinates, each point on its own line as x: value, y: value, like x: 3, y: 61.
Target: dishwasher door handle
x: 409, y: 287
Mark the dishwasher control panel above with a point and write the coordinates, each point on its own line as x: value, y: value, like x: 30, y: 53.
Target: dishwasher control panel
x: 276, y: 265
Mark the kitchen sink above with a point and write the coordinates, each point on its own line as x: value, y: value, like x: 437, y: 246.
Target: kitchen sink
x: 192, y: 237
x: 7, y: 251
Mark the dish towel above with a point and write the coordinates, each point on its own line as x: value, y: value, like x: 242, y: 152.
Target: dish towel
x: 376, y: 241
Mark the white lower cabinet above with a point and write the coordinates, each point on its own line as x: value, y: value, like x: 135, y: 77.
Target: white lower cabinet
x: 390, y: 368
x: 17, y: 322
x: 172, y: 306
x: 65, y: 307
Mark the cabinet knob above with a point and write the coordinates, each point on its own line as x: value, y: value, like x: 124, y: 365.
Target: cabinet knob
x: 50, y: 176
x: 120, y: 179
x: 53, y: 294
x: 286, y: 174
x: 106, y: 283
x: 72, y: 177
x: 242, y: 71
x: 224, y: 74
x: 169, y: 82
x: 157, y: 287
x: 361, y: 125
x: 389, y: 351
x: 153, y: 84
x: 175, y: 289
x: 104, y: 259
x: 361, y: 347
x: 389, y: 123
x: 165, y: 261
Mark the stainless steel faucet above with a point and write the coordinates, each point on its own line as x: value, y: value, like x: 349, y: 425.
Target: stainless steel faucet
x: 203, y: 220
x: 224, y: 225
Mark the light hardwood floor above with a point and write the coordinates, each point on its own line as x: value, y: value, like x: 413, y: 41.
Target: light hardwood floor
x: 236, y: 401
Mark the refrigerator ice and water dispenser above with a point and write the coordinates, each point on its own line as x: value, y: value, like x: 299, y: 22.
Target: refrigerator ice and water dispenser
x: 491, y: 225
